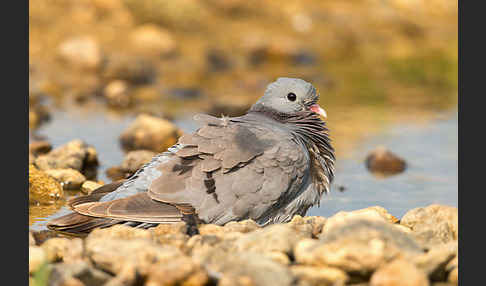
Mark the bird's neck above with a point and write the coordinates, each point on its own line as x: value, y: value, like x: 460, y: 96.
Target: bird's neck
x: 311, y: 131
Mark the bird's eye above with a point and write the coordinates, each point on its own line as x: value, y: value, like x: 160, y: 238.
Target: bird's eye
x: 291, y: 96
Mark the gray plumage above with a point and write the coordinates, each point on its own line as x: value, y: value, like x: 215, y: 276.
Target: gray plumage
x: 267, y: 165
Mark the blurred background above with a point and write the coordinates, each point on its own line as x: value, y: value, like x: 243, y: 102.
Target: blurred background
x: 386, y: 71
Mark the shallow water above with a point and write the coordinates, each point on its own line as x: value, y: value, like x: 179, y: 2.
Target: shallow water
x: 430, y: 150
x: 431, y: 176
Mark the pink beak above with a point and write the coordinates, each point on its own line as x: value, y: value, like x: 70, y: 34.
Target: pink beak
x: 317, y: 109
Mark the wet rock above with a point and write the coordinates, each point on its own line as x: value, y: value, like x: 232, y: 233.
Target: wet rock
x: 81, y: 52
x: 357, y: 245
x: 117, y: 94
x: 43, y: 189
x: 399, y: 272
x: 432, y: 225
x: 39, y: 147
x: 75, y: 154
x: 80, y: 272
x: 133, y: 70
x: 179, y: 271
x: 383, y: 162
x: 89, y: 186
x: 69, y: 179
x: 151, y: 133
x: 63, y: 249
x: 153, y: 40
x: 370, y: 213
x: 318, y: 276
x: 37, y: 257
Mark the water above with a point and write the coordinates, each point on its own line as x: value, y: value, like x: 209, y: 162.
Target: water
x: 429, y: 149
x: 431, y: 175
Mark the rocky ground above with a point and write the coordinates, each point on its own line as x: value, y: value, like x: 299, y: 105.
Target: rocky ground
x: 362, y: 247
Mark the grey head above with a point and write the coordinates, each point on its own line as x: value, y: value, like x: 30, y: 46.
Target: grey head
x: 289, y: 96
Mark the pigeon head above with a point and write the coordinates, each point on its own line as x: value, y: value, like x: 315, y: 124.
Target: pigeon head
x: 290, y: 96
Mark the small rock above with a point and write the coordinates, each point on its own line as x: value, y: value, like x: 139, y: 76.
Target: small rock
x: 436, y: 262
x: 273, y: 238
x: 133, y: 70
x: 179, y: 271
x: 432, y: 225
x: 81, y: 52
x: 153, y: 40
x: 319, y: 276
x: 134, y: 160
x: 384, y: 163
x: 375, y: 212
x: 128, y: 256
x: 70, y: 179
x: 453, y: 268
x: 75, y: 154
x: 243, y: 226
x: 89, y: 186
x: 399, y: 272
x: 63, y: 249
x: 80, y: 272
x: 149, y: 132
x: 172, y: 228
x: 309, y: 225
x: 177, y: 240
x: 357, y: 245
x: 37, y: 257
x: 43, y: 188
x: 117, y: 94
x: 454, y: 276
x: 39, y: 147
x: 278, y: 257
x: 116, y: 173
x: 246, y: 269
x: 119, y: 231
